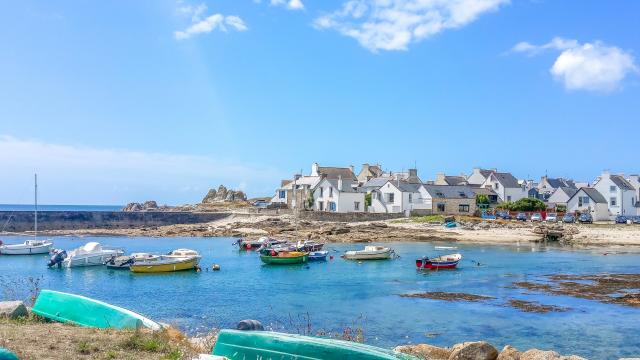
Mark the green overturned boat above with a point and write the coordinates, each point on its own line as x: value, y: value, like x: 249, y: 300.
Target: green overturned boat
x: 266, y: 345
x: 83, y: 311
x: 7, y: 355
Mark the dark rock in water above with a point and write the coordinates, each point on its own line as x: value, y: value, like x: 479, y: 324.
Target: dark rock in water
x: 531, y: 306
x: 247, y: 325
x: 509, y: 353
x: 476, y: 350
x: 439, y: 295
x: 425, y: 351
x: 12, y: 309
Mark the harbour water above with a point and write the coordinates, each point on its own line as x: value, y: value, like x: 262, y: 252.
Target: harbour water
x: 338, y: 294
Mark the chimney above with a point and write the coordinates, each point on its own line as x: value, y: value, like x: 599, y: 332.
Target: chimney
x: 314, y: 169
x: 439, y: 178
x: 339, y: 182
x: 351, y: 168
x: 297, y: 177
x: 413, y: 172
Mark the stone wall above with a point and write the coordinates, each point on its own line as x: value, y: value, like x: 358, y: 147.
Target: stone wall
x: 72, y: 220
x: 346, y: 217
x: 452, y: 206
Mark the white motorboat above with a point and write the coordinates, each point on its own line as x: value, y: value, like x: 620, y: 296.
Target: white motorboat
x: 91, y: 254
x: 125, y: 261
x: 29, y: 247
x: 184, y: 254
x: 369, y: 253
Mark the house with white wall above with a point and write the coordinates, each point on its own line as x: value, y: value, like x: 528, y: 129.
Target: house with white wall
x: 548, y: 186
x: 589, y: 200
x: 337, y: 195
x: 561, y: 196
x: 620, y: 194
x: 634, y: 180
x: 396, y: 196
x: 479, y: 176
x: 506, y: 186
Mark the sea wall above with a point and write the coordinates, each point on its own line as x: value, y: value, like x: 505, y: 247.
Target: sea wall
x: 346, y: 217
x: 74, y: 220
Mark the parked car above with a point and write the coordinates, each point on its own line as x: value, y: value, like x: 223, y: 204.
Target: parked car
x: 568, y: 218
x: 552, y: 217
x: 621, y: 219
x: 537, y: 217
x: 261, y: 203
x: 521, y: 217
x: 504, y: 215
x: 635, y: 219
x: 585, y: 219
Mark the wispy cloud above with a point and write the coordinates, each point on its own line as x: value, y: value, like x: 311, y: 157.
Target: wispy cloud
x: 81, y: 174
x: 289, y: 4
x: 589, y: 66
x: 394, y: 24
x: 208, y: 24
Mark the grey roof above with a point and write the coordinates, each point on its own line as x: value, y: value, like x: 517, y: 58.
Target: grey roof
x: 593, y: 194
x: 479, y: 190
x: 621, y: 182
x: 568, y: 190
x: 450, y: 192
x: 455, y: 180
x: 507, y: 180
x: 335, y: 172
x: 560, y: 182
x: 408, y: 187
x: 347, y: 185
x: 376, y: 182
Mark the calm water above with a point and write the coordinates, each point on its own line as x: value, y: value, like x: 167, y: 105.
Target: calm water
x: 341, y: 293
x: 31, y: 207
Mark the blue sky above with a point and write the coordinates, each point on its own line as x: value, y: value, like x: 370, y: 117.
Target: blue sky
x: 113, y: 102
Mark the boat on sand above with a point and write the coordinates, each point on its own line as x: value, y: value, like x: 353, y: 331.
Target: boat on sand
x: 369, y: 253
x: 441, y: 262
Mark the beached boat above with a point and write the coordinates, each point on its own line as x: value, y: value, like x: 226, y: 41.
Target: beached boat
x: 90, y: 254
x: 318, y: 255
x: 5, y: 354
x: 241, y: 345
x: 125, y: 261
x: 83, y: 311
x: 369, y: 253
x: 177, y: 260
x: 441, y: 262
x: 283, y: 257
x: 29, y: 247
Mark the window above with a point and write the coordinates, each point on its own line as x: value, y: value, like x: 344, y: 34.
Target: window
x: 356, y: 205
x: 463, y: 208
x: 496, y: 186
x: 613, y: 201
x: 330, y: 192
x: 320, y: 206
x: 390, y: 198
x: 462, y: 194
x: 282, y: 194
x: 509, y: 198
x: 613, y: 188
x: 440, y: 207
x: 585, y: 200
x: 410, y: 198
x: 321, y: 191
x: 332, y: 206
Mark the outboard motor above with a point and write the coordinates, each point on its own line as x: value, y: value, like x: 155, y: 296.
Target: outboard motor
x: 250, y: 325
x: 57, y: 258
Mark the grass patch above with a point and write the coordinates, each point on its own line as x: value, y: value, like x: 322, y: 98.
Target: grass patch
x: 427, y: 218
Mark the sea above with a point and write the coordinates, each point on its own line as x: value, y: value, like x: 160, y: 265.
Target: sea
x: 339, y: 296
x: 31, y: 207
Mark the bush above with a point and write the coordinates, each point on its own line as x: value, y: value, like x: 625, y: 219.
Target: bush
x: 526, y: 204
x: 482, y: 199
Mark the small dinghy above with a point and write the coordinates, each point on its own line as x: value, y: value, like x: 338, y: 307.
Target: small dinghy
x: 318, y: 255
x: 262, y: 242
x: 441, y: 262
x: 308, y: 245
x: 270, y: 256
x: 369, y: 253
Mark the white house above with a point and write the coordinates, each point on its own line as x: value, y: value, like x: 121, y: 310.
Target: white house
x: 620, y: 194
x: 337, y: 195
x: 634, y: 180
x: 479, y: 176
x: 506, y: 186
x: 561, y: 195
x: 294, y: 192
x: 399, y: 197
x: 591, y: 201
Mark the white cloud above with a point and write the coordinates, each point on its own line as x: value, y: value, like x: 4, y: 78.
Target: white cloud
x: 589, y: 66
x: 289, y: 4
x: 394, y: 24
x: 210, y: 23
x: 195, y: 12
x: 87, y: 175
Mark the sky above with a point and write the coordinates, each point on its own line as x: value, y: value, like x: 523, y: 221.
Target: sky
x: 118, y: 101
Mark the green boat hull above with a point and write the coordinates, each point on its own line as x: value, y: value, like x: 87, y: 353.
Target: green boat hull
x: 276, y: 260
x: 7, y: 355
x: 83, y: 311
x: 265, y: 345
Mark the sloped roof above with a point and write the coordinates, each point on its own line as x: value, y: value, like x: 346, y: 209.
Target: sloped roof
x: 347, y: 185
x: 408, y: 187
x: 507, y: 180
x: 479, y: 190
x: 568, y: 190
x: 455, y: 180
x: 376, y: 182
x: 560, y: 182
x: 621, y: 182
x: 593, y: 194
x: 450, y: 192
x: 336, y: 172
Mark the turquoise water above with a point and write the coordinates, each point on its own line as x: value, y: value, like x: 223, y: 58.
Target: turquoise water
x: 340, y: 293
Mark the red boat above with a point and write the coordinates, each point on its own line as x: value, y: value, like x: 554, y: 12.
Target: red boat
x: 441, y: 262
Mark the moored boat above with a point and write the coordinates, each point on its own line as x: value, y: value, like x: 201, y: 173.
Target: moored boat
x: 125, y: 261
x: 441, y: 262
x: 369, y: 253
x: 261, y: 243
x: 318, y: 255
x: 308, y: 245
x: 90, y: 254
x: 83, y: 311
x: 241, y: 345
x: 164, y: 264
x: 270, y: 256
x: 29, y: 247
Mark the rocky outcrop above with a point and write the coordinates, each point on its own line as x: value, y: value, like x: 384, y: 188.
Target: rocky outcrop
x: 475, y: 350
x: 12, y: 309
x: 224, y: 195
x: 149, y: 205
x: 509, y: 353
x: 425, y: 351
x: 535, y: 354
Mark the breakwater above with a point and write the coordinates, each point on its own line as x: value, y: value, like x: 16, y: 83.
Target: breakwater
x: 74, y: 220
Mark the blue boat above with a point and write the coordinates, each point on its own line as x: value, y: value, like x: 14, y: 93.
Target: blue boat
x: 318, y: 255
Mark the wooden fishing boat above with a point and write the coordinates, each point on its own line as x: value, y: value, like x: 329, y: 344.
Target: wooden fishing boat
x: 83, y: 311
x: 318, y: 255
x: 164, y: 264
x: 283, y: 257
x: 441, y: 262
x: 241, y: 345
x: 369, y: 253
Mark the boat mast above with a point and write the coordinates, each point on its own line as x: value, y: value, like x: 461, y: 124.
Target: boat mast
x: 35, y: 177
